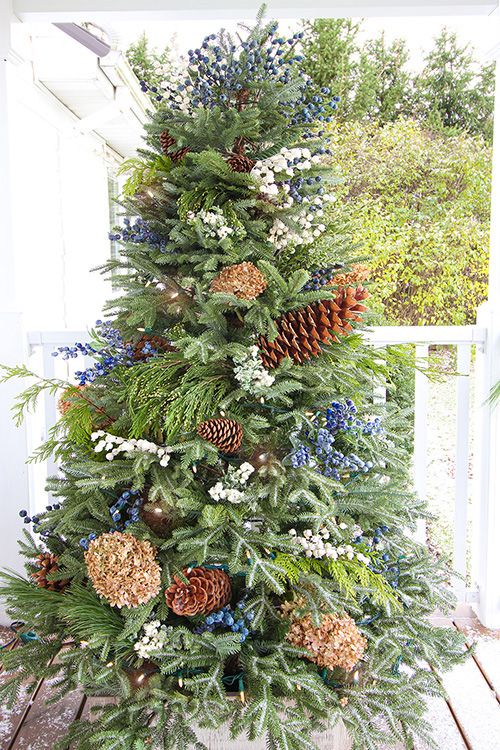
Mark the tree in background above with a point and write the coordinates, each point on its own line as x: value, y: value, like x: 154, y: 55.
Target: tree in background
x: 330, y: 52
x: 382, y: 91
x: 454, y: 92
x: 419, y: 205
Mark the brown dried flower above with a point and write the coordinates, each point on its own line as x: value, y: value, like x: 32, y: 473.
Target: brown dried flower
x: 244, y: 280
x: 337, y: 642
x: 123, y: 569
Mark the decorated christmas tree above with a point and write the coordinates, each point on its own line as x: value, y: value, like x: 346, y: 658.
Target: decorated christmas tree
x: 229, y: 540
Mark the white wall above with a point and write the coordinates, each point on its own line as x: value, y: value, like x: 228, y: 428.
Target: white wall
x: 60, y: 209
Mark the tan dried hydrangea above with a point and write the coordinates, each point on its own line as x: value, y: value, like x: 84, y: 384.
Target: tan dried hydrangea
x: 336, y: 643
x: 123, y: 569
x: 244, y: 280
x: 359, y: 273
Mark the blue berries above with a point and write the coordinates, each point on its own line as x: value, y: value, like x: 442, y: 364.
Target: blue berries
x: 234, y: 620
x: 327, y: 446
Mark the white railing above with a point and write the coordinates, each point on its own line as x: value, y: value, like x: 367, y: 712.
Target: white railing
x: 462, y: 338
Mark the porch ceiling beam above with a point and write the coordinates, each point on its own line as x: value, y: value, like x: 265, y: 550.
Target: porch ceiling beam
x: 74, y: 10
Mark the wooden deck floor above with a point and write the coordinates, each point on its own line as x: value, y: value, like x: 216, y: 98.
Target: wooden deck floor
x: 469, y: 720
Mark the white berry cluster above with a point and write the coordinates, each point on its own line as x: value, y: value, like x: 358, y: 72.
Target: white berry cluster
x: 153, y: 640
x: 229, y: 489
x: 289, y: 162
x: 318, y: 546
x: 251, y: 373
x: 282, y: 235
x: 113, y: 445
x: 214, y: 223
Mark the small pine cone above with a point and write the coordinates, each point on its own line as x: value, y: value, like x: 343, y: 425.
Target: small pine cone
x: 180, y: 154
x: 300, y: 332
x: 359, y: 273
x: 166, y: 141
x: 242, y: 98
x: 241, y: 163
x: 207, y: 591
x: 142, y: 349
x: 225, y: 434
x: 244, y: 280
x: 67, y: 399
x: 47, y: 564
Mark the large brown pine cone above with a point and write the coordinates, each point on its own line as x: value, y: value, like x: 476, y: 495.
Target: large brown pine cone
x: 225, y: 434
x: 207, y: 591
x: 47, y: 564
x: 300, y: 332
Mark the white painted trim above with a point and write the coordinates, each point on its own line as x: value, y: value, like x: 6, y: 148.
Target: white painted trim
x: 101, y: 10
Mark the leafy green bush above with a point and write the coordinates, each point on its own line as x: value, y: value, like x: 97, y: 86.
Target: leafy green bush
x: 419, y: 205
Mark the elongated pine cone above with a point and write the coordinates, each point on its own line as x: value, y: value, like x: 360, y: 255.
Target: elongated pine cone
x: 207, y: 591
x: 166, y: 142
x: 47, y: 564
x: 337, y: 642
x: 147, y: 346
x: 244, y: 280
x: 123, y: 569
x: 225, y: 434
x: 301, y: 332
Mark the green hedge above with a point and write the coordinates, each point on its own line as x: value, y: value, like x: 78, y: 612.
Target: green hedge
x: 418, y: 204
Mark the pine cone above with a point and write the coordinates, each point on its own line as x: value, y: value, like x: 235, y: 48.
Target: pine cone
x: 180, y: 154
x: 244, y: 280
x: 166, y: 141
x: 207, y: 591
x: 241, y: 163
x: 47, y: 564
x: 225, y: 434
x: 300, y: 332
x: 67, y: 399
x: 142, y: 349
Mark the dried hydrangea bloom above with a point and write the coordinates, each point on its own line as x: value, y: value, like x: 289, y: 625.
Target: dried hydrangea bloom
x: 123, y: 569
x: 337, y: 642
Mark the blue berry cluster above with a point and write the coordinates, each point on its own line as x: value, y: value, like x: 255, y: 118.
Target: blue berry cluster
x: 233, y: 619
x: 326, y: 445
x: 342, y: 417
x: 301, y: 187
x: 139, y: 233
x: 114, y: 352
x: 123, y: 512
x: 35, y: 520
x: 319, y: 278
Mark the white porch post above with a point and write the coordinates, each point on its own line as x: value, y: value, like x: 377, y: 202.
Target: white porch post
x: 487, y: 531
x: 13, y: 452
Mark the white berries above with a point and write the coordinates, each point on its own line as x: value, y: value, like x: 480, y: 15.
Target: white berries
x: 229, y: 488
x: 153, y: 640
x: 251, y: 373
x: 318, y: 546
x: 113, y: 445
x: 214, y: 223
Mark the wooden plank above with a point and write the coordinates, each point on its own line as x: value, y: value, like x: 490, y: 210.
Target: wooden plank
x: 445, y: 729
x: 486, y: 653
x: 43, y: 725
x: 474, y: 706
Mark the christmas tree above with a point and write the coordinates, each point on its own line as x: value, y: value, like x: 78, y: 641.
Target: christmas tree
x: 233, y: 509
